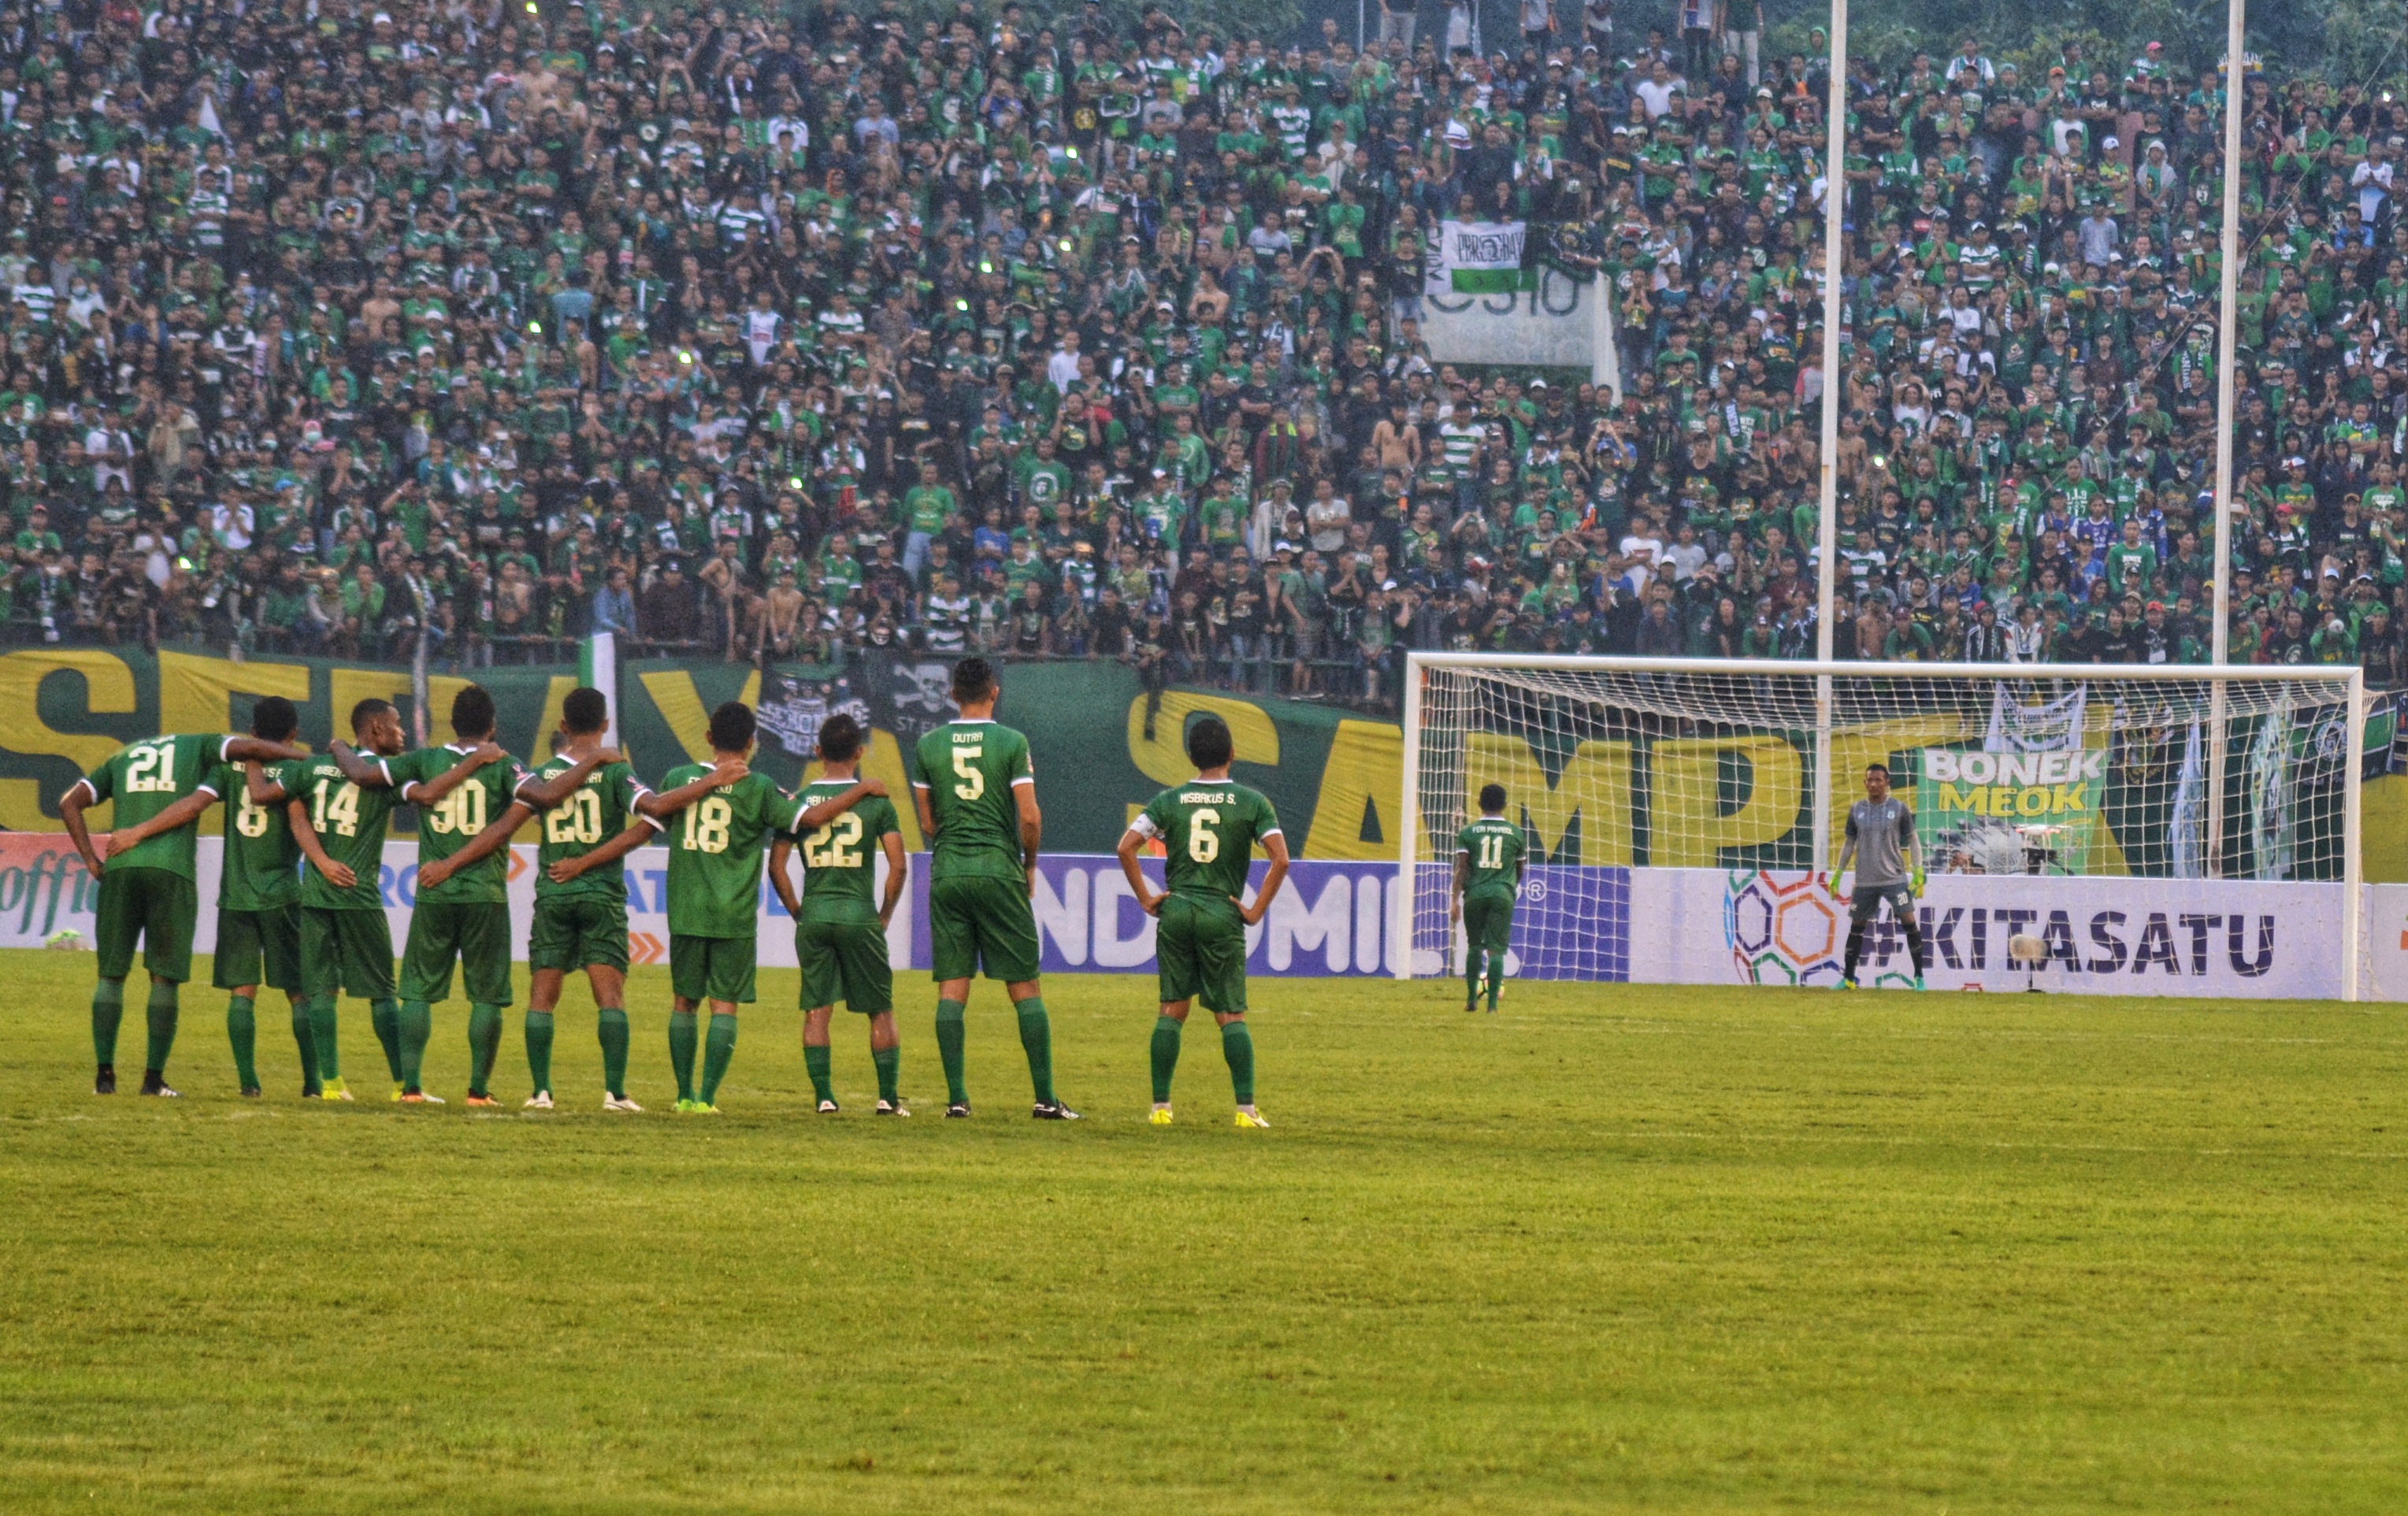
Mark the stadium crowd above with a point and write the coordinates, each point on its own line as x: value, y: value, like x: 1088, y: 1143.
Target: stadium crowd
x: 330, y: 326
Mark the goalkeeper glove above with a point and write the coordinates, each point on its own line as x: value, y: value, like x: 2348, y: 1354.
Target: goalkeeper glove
x: 1916, y: 883
x: 1831, y: 883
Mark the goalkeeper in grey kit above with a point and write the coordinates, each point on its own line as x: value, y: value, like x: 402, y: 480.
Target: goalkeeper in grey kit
x: 1889, y: 867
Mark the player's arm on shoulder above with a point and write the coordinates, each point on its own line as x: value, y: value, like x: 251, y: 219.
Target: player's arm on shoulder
x: 368, y: 773
x: 428, y: 791
x: 669, y: 801
x: 338, y: 873
x: 545, y: 793
x: 264, y: 785
x: 1142, y: 829
x: 252, y: 750
x: 630, y: 837
x: 1275, y: 844
x: 817, y: 815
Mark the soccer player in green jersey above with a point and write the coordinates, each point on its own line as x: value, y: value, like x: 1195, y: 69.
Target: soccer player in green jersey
x: 259, y: 905
x: 592, y: 817
x: 1207, y: 828
x: 714, y: 887
x: 339, y: 821
x: 977, y: 798
x: 147, y: 890
x: 840, y: 936
x: 463, y: 911
x: 1489, y: 855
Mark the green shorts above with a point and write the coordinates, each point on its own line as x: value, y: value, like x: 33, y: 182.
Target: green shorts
x: 478, y: 933
x: 346, y: 950
x: 712, y: 968
x: 845, y: 960
x: 981, y: 921
x: 577, y: 931
x: 258, y: 947
x: 157, y: 906
x: 1487, y: 921
x: 1200, y: 950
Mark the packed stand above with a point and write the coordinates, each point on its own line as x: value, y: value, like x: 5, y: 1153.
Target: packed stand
x: 335, y: 328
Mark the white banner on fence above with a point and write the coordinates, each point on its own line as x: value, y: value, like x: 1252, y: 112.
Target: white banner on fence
x: 1474, y: 312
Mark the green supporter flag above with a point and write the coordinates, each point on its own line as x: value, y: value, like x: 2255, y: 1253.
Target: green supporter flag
x: 1482, y: 257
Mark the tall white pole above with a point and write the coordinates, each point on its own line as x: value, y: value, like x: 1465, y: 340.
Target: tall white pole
x: 2228, y: 325
x: 1826, y: 503
x: 2353, y: 837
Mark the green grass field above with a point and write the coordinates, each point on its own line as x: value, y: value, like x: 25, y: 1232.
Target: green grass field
x: 1613, y: 1249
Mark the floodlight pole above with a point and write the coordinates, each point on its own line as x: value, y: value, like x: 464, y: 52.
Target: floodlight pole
x: 1826, y: 506
x: 2227, y: 420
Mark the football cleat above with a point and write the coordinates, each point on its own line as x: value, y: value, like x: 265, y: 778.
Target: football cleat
x: 153, y: 1084
x: 1846, y: 984
x: 312, y: 1092
x: 1918, y: 982
x: 250, y: 1091
x: 1471, y: 1006
x: 540, y: 1100
x: 620, y: 1102
x: 1159, y: 1116
x: 958, y: 1111
x: 480, y: 1100
x: 105, y: 1081
x: 828, y: 1108
x: 685, y: 1105
x: 1253, y: 1118
x: 419, y: 1097
x: 397, y: 1093
x: 335, y: 1089
x: 703, y: 1109
x: 892, y: 1108
x: 1052, y: 1111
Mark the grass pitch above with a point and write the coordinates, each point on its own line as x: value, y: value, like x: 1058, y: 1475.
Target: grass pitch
x: 1613, y: 1249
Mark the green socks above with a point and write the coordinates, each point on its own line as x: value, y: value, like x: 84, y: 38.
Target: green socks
x: 1237, y: 1046
x: 305, y: 1038
x: 321, y: 1037
x: 1495, y: 977
x: 1166, y: 1056
x: 161, y: 1011
x: 107, y: 1011
x: 949, y: 1048
x: 242, y: 1031
x: 614, y: 1032
x: 1472, y: 973
x: 718, y: 1047
x: 413, y: 1024
x: 815, y: 1063
x: 539, y: 1041
x: 484, y: 1043
x: 385, y: 1016
x: 1037, y: 1040
x: 890, y: 1063
x: 681, y: 1040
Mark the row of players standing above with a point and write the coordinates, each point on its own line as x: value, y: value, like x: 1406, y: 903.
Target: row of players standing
x: 299, y: 908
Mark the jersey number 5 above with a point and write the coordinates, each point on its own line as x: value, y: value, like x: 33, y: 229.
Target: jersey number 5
x: 966, y: 766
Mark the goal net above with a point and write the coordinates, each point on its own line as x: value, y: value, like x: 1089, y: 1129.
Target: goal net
x: 2159, y: 829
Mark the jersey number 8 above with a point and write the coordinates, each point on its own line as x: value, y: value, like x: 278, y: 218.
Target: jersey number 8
x: 706, y: 825
x: 576, y: 820
x: 249, y: 819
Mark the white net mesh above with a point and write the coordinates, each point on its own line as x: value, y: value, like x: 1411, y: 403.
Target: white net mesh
x: 2067, y: 773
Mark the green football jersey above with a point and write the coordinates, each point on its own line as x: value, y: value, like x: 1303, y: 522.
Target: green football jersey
x: 448, y: 825
x: 145, y: 778
x: 262, y: 860
x: 968, y: 769
x: 715, y: 848
x: 840, y: 859
x: 1495, y: 846
x: 595, y: 812
x: 350, y: 823
x: 1209, y: 829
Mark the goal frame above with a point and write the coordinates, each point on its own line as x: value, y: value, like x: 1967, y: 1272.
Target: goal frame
x: 1419, y: 664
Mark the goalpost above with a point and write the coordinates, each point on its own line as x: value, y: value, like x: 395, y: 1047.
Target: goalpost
x: 2163, y: 829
